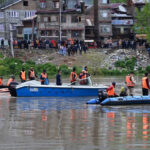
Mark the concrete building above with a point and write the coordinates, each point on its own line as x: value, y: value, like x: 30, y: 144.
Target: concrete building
x: 48, y: 21
x: 102, y: 20
x: 12, y: 13
x: 122, y: 22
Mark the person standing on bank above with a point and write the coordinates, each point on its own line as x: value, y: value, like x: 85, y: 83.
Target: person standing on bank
x: 58, y: 78
x: 23, y: 75
x: 145, y: 84
x: 130, y: 82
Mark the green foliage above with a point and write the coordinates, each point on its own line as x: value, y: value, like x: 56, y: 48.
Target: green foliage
x: 65, y: 70
x: 148, y: 69
x: 127, y: 64
x: 118, y: 1
x: 142, y: 26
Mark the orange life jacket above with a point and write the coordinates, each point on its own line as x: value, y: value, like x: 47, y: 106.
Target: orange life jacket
x: 32, y: 74
x: 9, y: 81
x: 129, y: 82
x: 1, y: 82
x: 73, y: 77
x: 144, y: 83
x: 111, y: 92
x: 44, y: 76
x: 23, y: 75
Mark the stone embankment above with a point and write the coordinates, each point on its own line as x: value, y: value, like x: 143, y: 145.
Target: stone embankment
x: 104, y: 58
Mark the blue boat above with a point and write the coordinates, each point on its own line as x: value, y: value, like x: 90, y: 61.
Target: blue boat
x: 127, y: 100
x: 35, y: 89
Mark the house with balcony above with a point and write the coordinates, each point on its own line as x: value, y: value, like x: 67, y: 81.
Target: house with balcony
x: 122, y: 22
x: 49, y: 23
x: 12, y: 13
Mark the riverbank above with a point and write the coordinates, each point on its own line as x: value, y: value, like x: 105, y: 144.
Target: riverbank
x: 99, y: 61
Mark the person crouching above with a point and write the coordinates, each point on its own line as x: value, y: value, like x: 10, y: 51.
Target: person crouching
x: 111, y: 90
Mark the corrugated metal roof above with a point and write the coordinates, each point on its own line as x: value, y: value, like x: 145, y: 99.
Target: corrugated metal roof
x: 8, y: 3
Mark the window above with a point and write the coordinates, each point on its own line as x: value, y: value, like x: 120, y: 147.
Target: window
x: 13, y: 14
x: 105, y: 29
x: 45, y: 19
x: 42, y: 4
x: 29, y: 14
x: 63, y: 19
x: 54, y: 18
x: 76, y: 33
x: 2, y: 27
x: 1, y: 15
x: 76, y: 19
x: 64, y: 33
x: 105, y: 1
x: 56, y: 4
x: 19, y: 30
x: 25, y: 3
x: 46, y: 33
x: 103, y: 14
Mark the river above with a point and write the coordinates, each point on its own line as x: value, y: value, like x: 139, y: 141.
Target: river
x: 70, y: 124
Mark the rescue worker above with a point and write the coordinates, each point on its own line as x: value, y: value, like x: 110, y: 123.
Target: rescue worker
x: 23, y: 75
x: 82, y: 78
x: 58, y: 78
x: 32, y: 74
x: 73, y: 76
x: 43, y: 77
x: 12, y: 79
x: 130, y: 82
x: 1, y: 81
x: 123, y: 91
x: 145, y: 84
x: 111, y: 90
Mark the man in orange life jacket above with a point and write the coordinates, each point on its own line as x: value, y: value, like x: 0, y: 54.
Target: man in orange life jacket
x: 31, y: 74
x: 12, y: 79
x: 1, y: 81
x: 73, y: 76
x: 23, y: 75
x: 130, y: 82
x: 145, y: 84
x: 111, y: 90
x: 43, y: 77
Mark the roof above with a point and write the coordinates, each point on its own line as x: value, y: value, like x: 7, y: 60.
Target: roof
x: 10, y: 3
x: 140, y: 1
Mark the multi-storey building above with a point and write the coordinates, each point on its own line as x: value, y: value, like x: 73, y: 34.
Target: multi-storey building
x: 72, y: 21
x: 102, y: 19
x: 12, y: 13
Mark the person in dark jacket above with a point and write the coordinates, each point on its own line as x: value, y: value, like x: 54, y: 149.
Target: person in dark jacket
x: 58, y: 78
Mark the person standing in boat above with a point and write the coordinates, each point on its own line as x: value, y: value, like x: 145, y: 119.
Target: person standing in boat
x: 43, y: 77
x: 145, y: 84
x: 130, y: 82
x: 23, y: 75
x: 12, y: 79
x: 32, y: 74
x: 1, y: 81
x: 73, y: 76
x: 111, y: 90
x: 58, y: 78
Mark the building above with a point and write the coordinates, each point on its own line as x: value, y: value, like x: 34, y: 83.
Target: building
x: 49, y: 23
x: 122, y: 22
x: 102, y: 20
x: 12, y: 14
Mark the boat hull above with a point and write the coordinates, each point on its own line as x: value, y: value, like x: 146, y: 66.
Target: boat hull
x: 127, y: 100
x: 56, y: 91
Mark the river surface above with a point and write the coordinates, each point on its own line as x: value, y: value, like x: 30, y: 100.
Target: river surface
x: 70, y: 124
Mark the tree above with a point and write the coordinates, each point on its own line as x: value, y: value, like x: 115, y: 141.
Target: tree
x: 142, y: 25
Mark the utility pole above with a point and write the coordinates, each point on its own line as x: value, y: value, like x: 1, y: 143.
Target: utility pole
x: 11, y: 40
x: 60, y: 4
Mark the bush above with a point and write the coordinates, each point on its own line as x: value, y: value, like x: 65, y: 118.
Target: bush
x: 148, y: 69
